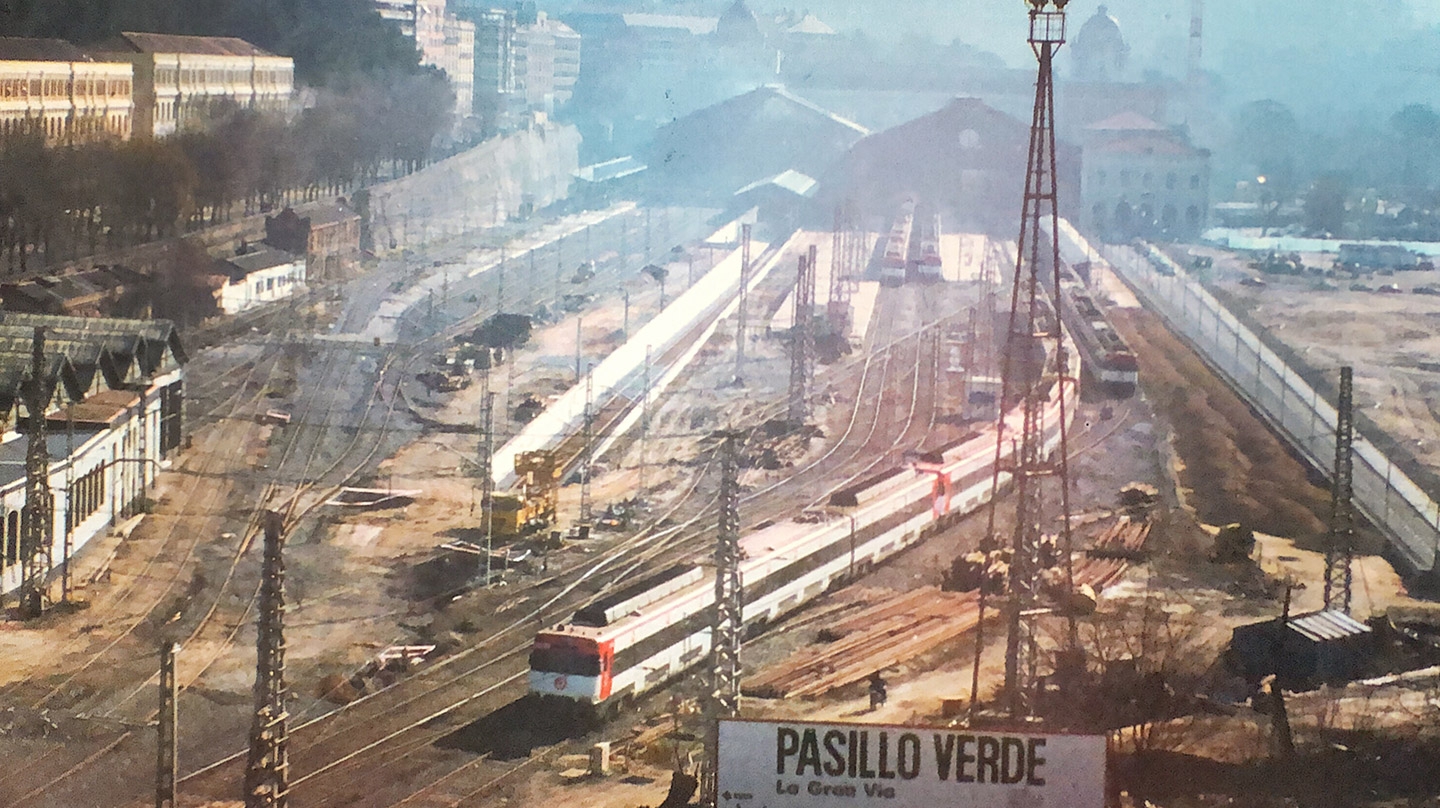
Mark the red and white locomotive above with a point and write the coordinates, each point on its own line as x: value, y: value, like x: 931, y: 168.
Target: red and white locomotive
x: 928, y: 266
x: 651, y: 631
x: 896, y: 260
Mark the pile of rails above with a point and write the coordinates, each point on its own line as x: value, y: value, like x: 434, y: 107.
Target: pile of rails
x: 879, y: 636
x: 898, y: 629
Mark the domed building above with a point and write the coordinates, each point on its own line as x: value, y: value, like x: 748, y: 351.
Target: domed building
x: 1099, y: 51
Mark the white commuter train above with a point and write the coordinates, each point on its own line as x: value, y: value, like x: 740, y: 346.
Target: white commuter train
x: 650, y: 632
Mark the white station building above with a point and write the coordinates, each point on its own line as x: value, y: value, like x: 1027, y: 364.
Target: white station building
x: 114, y: 415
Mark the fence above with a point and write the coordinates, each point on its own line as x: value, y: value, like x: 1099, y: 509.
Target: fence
x: 1385, y: 494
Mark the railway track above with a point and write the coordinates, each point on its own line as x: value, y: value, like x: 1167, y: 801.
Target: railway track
x: 219, y: 629
x: 370, y: 772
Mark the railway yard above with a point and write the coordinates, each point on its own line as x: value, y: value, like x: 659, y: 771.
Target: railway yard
x: 408, y: 660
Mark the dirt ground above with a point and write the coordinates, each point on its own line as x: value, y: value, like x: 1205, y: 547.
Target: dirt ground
x: 1391, y: 339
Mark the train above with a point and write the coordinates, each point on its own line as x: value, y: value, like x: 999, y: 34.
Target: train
x: 1105, y: 359
x: 648, y: 633
x: 895, y: 261
x: 927, y: 264
x: 1107, y: 364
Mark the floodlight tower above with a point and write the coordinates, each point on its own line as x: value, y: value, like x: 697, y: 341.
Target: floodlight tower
x: 1034, y: 367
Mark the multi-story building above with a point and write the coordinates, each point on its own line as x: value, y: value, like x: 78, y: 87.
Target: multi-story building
x: 182, y: 81
x: 459, y: 63
x: 494, y: 58
x: 51, y: 86
x: 547, y: 63
x: 1142, y: 179
x: 443, y: 40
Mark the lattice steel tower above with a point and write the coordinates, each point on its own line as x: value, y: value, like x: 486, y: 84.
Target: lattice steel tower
x: 267, y: 775
x: 1035, y: 373
x: 741, y: 325
x: 802, y: 341
x: 37, y: 527
x: 1340, y: 553
x: 729, y: 627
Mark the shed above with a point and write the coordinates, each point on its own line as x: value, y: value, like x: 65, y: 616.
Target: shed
x: 1317, y: 648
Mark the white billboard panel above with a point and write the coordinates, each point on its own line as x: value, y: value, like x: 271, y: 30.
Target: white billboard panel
x: 797, y: 764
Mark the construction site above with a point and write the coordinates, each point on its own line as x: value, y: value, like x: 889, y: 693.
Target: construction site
x: 553, y: 512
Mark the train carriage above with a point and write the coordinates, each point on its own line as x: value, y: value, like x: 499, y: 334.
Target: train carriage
x: 928, y: 266
x: 648, y: 633
x: 895, y: 261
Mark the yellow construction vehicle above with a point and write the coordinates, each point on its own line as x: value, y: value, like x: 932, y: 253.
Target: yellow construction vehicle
x: 533, y: 508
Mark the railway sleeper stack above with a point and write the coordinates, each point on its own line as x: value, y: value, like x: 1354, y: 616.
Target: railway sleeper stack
x: 900, y: 628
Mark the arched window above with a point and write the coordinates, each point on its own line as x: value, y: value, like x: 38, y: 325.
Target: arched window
x: 1168, y: 217
x: 1192, y: 216
x: 1170, y: 180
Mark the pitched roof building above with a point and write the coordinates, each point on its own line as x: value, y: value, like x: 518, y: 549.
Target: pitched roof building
x: 181, y: 81
x: 965, y: 160
x: 1141, y: 178
x: 715, y: 151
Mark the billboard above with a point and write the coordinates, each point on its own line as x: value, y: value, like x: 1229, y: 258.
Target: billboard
x: 799, y: 764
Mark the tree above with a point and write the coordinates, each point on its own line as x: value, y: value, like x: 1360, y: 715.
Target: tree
x: 1325, y: 203
x: 1418, y: 128
x: 1266, y: 137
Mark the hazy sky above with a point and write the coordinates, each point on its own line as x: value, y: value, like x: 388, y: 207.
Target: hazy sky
x: 1152, y: 27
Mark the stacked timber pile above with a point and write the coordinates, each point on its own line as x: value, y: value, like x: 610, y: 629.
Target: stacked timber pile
x: 897, y: 629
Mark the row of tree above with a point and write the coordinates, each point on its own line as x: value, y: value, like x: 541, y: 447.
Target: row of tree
x: 59, y: 203
x: 1341, y: 169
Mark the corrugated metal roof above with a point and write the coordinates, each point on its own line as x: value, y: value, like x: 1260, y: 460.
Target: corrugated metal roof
x: 609, y: 170
x: 266, y: 258
x: 1327, y: 626
x: 140, y: 42
x: 790, y: 180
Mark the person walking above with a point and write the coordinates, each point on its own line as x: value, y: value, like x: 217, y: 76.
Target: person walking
x: 877, y: 691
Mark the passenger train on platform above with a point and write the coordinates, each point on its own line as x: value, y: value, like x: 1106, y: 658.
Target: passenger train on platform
x: 895, y: 260
x: 650, y: 632
x: 927, y: 264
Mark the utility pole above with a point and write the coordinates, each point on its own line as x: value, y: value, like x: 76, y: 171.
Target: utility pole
x: 36, y: 528
x: 67, y: 546
x: 647, y: 235
x: 800, y: 341
x: 728, y: 630
x: 1031, y: 326
x: 644, y: 421
x: 267, y: 773
x: 588, y: 452
x: 487, y: 471
x: 1340, y: 553
x: 167, y: 772
x: 579, y: 326
x: 625, y: 328
x: 744, y: 297
x: 559, y: 263
x: 500, y: 292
